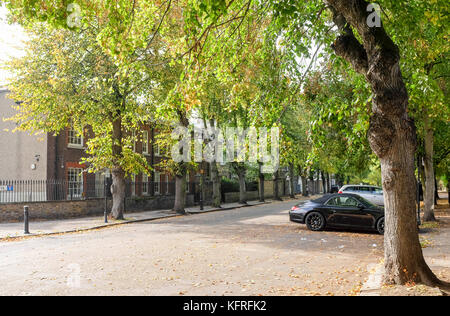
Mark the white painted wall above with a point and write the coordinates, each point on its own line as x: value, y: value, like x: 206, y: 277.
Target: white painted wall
x: 18, y: 150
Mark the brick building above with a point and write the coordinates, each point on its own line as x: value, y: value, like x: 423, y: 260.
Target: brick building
x: 54, y: 164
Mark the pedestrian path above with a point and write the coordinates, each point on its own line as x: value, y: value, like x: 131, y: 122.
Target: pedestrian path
x: 14, y: 230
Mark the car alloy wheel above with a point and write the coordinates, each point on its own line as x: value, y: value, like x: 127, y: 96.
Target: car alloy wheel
x: 315, y: 221
x: 380, y: 226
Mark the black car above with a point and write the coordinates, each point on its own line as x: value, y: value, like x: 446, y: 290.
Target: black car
x: 340, y: 211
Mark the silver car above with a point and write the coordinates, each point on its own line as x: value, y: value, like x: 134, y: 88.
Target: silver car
x: 372, y: 193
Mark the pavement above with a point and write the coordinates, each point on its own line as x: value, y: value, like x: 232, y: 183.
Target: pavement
x: 52, y: 227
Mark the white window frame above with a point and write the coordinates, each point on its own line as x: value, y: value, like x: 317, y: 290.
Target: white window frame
x: 72, y: 135
x: 145, y: 190
x: 76, y: 186
x: 157, y: 182
x: 145, y: 142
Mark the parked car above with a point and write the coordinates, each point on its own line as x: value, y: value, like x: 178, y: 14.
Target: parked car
x: 371, y: 193
x: 341, y: 211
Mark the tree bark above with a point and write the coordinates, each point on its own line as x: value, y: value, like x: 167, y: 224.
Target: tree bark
x: 276, y: 189
x: 392, y: 137
x: 239, y: 168
x: 429, y: 173
x: 291, y: 182
x: 118, y: 174
x: 304, y: 180
x: 448, y: 188
x: 118, y: 193
x: 328, y: 183
x: 324, y: 183
x: 242, y: 189
x: 215, y: 177
x: 261, y: 184
x: 180, y: 193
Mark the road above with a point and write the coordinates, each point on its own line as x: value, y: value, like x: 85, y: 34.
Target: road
x: 249, y: 251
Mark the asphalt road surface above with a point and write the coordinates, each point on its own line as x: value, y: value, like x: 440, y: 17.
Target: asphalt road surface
x: 248, y: 251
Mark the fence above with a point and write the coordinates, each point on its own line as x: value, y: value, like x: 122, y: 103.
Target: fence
x: 20, y: 191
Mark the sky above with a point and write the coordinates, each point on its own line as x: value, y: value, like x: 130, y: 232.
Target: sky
x: 11, y: 42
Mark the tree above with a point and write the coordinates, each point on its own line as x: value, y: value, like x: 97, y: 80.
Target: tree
x: 66, y: 79
x: 391, y: 136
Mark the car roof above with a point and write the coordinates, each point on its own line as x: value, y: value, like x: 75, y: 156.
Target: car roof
x: 361, y: 186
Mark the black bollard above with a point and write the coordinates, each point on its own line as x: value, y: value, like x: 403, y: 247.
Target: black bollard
x: 26, y: 217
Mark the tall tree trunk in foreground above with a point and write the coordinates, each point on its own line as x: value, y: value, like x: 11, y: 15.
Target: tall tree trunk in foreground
x: 215, y: 178
x: 429, y: 173
x: 180, y: 193
x: 118, y: 174
x: 392, y: 137
x: 261, y: 183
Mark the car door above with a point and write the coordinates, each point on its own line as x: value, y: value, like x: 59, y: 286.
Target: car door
x: 352, y: 213
x: 378, y: 196
x: 331, y: 211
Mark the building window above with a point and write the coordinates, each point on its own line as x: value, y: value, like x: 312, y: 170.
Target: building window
x: 74, y: 138
x: 157, y: 183
x: 145, y: 142
x: 75, y: 182
x: 145, y: 184
x: 187, y: 182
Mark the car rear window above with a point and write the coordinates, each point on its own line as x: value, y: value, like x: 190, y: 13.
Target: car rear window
x: 322, y: 199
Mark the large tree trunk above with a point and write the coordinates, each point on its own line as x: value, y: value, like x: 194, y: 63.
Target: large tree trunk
x: 392, y: 137
x: 261, y: 184
x: 180, y: 194
x: 429, y: 173
x: 215, y: 177
x: 118, y: 193
x: 118, y: 174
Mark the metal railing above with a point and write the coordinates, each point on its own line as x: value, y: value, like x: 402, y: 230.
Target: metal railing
x: 24, y: 191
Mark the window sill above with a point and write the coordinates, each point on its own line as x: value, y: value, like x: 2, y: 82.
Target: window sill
x: 72, y: 146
